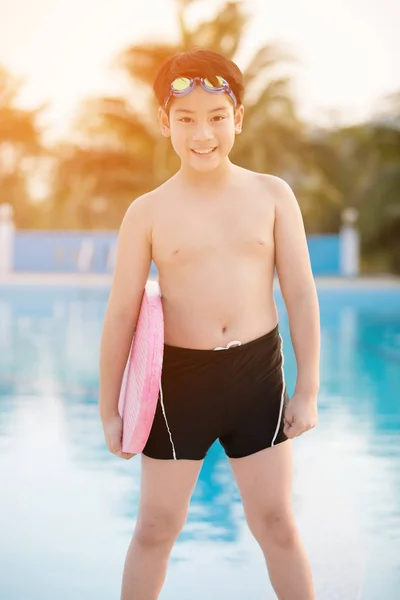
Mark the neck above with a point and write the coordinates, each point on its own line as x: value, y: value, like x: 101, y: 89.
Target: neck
x: 207, y: 180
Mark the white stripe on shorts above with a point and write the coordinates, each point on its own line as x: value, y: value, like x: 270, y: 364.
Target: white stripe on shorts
x: 166, y: 423
x: 282, y: 396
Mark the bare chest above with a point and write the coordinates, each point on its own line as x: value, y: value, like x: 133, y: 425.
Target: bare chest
x: 182, y: 235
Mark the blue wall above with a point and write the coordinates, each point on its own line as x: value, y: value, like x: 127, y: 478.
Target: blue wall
x: 325, y: 254
x: 57, y: 252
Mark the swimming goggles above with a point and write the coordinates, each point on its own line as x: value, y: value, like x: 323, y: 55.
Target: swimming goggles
x: 184, y: 85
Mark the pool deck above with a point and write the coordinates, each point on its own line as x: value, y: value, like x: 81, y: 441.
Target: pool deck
x: 93, y: 280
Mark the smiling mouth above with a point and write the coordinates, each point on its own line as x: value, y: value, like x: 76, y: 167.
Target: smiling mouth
x: 203, y: 152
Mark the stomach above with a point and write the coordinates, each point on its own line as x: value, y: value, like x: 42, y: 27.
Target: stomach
x: 204, y: 313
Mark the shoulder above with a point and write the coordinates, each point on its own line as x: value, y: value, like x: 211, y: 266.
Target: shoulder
x: 275, y: 187
x: 280, y: 193
x: 138, y: 217
x: 139, y: 208
x: 150, y: 200
x: 143, y: 209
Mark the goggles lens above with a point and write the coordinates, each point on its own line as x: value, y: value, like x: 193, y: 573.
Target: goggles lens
x: 208, y: 83
x: 180, y: 84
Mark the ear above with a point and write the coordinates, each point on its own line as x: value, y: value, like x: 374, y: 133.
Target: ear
x: 163, y: 121
x: 239, y: 113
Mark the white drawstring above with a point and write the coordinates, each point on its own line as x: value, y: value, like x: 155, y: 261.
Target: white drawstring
x: 232, y: 344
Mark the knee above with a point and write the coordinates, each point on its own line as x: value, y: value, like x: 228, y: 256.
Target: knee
x: 158, y: 529
x: 275, y: 527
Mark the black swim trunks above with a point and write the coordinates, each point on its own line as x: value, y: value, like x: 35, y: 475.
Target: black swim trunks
x: 235, y: 395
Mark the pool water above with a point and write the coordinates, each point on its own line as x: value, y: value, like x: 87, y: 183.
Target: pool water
x: 68, y: 507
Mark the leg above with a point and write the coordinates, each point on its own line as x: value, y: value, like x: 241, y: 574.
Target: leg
x: 166, y: 489
x: 265, y: 484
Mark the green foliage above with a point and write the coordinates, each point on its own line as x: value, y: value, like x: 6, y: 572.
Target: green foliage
x: 20, y: 145
x: 117, y: 152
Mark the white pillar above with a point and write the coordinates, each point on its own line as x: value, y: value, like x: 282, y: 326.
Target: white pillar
x: 349, y: 244
x: 7, y: 238
x: 85, y: 256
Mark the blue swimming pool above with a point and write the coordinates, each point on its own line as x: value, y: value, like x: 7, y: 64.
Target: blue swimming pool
x: 67, y: 506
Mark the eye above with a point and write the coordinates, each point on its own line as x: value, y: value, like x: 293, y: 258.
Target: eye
x: 185, y: 120
x: 219, y: 118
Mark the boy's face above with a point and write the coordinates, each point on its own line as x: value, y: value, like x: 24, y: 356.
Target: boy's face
x: 202, y: 127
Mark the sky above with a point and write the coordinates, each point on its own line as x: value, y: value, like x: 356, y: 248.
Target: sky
x: 346, y: 50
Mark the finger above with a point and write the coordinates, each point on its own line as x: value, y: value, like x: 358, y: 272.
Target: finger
x: 292, y: 432
x: 291, y: 424
x: 288, y: 431
x: 125, y: 455
x: 115, y: 445
x: 290, y: 435
x: 287, y: 425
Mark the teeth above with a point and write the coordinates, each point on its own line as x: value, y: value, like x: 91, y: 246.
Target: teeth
x: 203, y: 151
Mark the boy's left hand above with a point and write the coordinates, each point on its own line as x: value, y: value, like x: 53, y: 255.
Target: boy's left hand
x: 301, y: 415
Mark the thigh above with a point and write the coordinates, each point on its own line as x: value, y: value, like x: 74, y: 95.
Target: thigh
x: 166, y: 489
x: 264, y: 480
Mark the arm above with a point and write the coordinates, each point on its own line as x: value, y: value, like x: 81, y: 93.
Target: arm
x: 298, y: 288
x: 131, y: 271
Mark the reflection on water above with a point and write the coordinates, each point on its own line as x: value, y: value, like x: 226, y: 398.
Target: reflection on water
x: 68, y: 507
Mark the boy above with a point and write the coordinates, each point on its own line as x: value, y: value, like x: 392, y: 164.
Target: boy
x: 215, y: 232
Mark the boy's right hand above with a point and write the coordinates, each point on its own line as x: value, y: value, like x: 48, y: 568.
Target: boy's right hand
x: 112, y: 427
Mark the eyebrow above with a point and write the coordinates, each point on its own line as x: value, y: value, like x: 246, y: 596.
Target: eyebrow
x: 192, y: 112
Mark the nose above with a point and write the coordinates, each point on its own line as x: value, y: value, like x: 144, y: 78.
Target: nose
x: 202, y: 133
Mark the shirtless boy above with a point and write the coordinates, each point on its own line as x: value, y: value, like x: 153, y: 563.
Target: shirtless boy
x: 215, y: 232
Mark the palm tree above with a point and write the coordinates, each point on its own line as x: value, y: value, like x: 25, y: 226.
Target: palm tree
x: 272, y: 130
x: 92, y: 183
x: 380, y: 193
x: 121, y: 150
x: 359, y: 166
x: 20, y: 147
